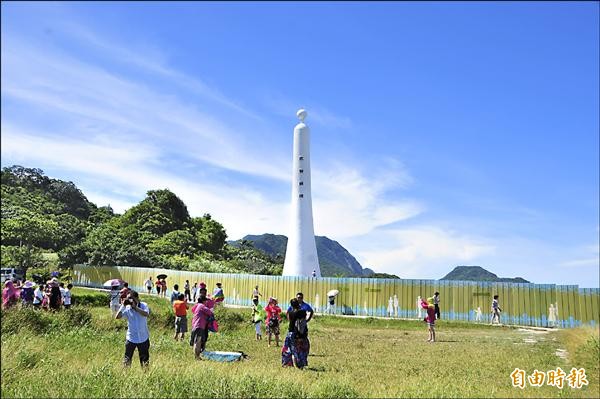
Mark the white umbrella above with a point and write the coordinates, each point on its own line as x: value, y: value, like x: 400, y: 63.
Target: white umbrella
x: 333, y: 293
x: 115, y: 282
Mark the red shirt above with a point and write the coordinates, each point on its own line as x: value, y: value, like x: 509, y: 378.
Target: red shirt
x: 180, y: 308
x: 272, y: 311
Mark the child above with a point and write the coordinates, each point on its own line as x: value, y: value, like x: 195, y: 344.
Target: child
x: 257, y: 318
x: 495, y: 310
x: 430, y: 318
x: 67, y: 296
x: 180, y: 307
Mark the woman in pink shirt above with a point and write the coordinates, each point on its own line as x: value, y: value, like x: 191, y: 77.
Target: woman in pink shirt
x: 10, y: 295
x: 199, y: 336
x: 273, y: 319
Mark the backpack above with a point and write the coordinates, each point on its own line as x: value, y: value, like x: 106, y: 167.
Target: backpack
x: 211, y: 324
x: 300, y: 327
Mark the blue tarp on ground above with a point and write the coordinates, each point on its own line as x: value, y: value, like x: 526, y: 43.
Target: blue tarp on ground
x: 222, y: 356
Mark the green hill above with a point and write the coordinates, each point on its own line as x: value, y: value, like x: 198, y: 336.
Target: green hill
x: 478, y: 273
x: 334, y: 259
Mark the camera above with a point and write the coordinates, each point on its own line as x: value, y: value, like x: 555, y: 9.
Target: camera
x: 127, y: 302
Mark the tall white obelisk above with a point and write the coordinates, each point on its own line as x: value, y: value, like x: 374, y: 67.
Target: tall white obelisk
x: 301, y: 254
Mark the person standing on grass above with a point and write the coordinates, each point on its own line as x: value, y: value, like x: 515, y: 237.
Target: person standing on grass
x: 430, y: 318
x: 138, y: 336
x: 38, y: 296
x: 163, y: 288
x: 27, y: 294
x: 436, y: 304
x: 218, y: 295
x: 273, y: 320
x: 67, y: 296
x: 495, y: 310
x: 148, y: 283
x: 186, y: 290
x: 296, y: 346
x: 115, y: 300
x: 124, y: 292
x: 55, y: 299
x: 10, y: 295
x: 199, y: 336
x: 257, y: 319
x: 255, y: 293
x: 180, y: 307
x: 195, y: 292
x: 158, y: 286
x: 304, y: 306
x: 175, y: 293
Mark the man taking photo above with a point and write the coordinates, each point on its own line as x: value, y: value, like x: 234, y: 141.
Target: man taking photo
x: 138, y: 336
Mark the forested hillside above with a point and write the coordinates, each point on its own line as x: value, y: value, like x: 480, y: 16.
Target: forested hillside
x: 42, y: 216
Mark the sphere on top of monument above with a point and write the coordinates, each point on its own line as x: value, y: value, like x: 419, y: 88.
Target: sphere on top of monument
x: 301, y: 114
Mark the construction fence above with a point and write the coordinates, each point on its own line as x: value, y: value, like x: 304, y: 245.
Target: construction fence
x: 542, y: 305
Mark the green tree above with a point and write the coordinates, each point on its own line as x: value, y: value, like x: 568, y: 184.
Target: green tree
x: 210, y: 234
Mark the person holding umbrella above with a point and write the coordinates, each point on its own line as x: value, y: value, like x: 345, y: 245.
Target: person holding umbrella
x: 138, y: 336
x: 114, y: 297
x: 158, y: 286
x: 331, y: 296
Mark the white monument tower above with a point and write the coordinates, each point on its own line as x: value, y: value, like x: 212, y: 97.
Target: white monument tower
x: 301, y: 254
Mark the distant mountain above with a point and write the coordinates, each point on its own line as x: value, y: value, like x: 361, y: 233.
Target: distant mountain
x: 478, y: 273
x: 334, y: 259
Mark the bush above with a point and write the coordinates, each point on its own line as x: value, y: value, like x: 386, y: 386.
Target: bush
x: 228, y: 319
x: 91, y: 299
x: 13, y: 320
x: 41, y: 322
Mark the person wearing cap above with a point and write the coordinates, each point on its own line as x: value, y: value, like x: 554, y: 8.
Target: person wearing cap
x: 436, y: 303
x: 218, y: 295
x: 273, y: 320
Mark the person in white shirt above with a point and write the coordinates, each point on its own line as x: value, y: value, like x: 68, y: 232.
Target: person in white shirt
x: 67, y: 296
x: 38, y: 296
x: 114, y: 300
x: 149, y: 284
x: 138, y: 335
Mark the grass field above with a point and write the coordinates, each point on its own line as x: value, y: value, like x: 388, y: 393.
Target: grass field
x: 80, y: 356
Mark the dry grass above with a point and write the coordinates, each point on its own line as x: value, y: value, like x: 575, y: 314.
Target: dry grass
x: 349, y: 358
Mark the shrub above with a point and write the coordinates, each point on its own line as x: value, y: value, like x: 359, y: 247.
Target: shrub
x: 13, y: 320
x: 228, y: 319
x: 42, y: 322
x: 91, y: 299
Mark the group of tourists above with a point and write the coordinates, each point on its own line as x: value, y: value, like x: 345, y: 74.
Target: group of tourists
x: 53, y: 295
x: 296, y: 345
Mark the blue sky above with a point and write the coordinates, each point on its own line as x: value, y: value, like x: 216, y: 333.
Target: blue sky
x: 443, y: 134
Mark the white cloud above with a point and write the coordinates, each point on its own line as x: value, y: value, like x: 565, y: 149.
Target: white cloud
x: 421, y: 251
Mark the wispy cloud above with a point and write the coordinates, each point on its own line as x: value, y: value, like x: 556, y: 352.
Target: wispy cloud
x: 282, y: 105
x: 130, y: 110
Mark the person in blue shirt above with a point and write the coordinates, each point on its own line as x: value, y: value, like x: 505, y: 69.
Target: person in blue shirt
x: 304, y: 306
x: 138, y: 336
